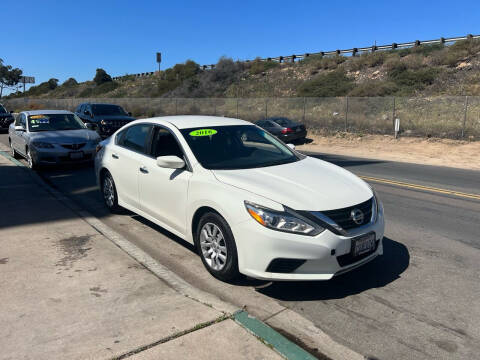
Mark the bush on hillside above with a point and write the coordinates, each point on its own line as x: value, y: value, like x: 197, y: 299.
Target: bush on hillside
x: 335, y: 83
x: 374, y: 88
x: 70, y: 82
x: 99, y: 89
x: 258, y: 66
x: 101, y: 77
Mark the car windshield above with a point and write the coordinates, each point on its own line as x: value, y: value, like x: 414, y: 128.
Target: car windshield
x: 54, y: 122
x: 104, y: 109
x: 2, y: 110
x: 284, y: 122
x: 237, y: 147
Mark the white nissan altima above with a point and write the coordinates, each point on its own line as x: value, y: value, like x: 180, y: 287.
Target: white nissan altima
x: 249, y: 203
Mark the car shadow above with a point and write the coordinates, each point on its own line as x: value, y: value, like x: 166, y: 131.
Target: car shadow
x: 378, y: 273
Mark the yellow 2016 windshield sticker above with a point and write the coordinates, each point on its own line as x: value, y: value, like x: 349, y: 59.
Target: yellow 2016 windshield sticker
x: 203, y: 132
x: 37, y: 116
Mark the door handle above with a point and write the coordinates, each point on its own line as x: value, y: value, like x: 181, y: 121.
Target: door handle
x: 144, y: 170
x: 115, y: 156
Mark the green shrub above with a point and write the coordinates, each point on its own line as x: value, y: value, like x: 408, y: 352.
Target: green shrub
x: 101, y: 77
x: 99, y: 89
x: 374, y: 88
x: 325, y: 62
x: 70, y: 82
x: 335, y: 83
x: 258, y: 66
x: 408, y: 81
x: 413, y: 61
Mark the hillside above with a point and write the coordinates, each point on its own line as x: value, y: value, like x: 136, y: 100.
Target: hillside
x: 426, y: 70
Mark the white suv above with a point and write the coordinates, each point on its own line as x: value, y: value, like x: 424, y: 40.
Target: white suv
x: 249, y: 203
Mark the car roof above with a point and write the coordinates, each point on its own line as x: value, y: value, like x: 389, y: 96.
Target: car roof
x: 195, y: 121
x: 46, y: 112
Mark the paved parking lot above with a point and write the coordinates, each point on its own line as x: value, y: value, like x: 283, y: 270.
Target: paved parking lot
x: 417, y: 301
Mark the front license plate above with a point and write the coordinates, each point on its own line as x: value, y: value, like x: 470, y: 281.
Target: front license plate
x: 76, y: 155
x: 363, y: 244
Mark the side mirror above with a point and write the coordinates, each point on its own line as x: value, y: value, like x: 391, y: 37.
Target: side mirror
x: 19, y: 128
x: 129, y: 113
x: 90, y: 126
x: 88, y: 113
x: 291, y: 146
x: 170, y: 162
x: 11, y: 111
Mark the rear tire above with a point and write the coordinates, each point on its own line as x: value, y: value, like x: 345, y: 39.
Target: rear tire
x: 109, y: 193
x: 216, y: 247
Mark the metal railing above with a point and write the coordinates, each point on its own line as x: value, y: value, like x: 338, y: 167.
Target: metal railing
x: 352, y: 51
x: 454, y: 117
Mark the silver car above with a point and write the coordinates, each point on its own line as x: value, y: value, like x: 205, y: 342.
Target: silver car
x: 51, y: 137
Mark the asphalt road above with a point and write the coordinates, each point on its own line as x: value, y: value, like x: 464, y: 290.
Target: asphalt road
x: 418, y: 301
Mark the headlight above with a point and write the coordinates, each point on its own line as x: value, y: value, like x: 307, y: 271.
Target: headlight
x: 42, y: 145
x: 105, y: 122
x: 287, y: 221
x: 377, y: 206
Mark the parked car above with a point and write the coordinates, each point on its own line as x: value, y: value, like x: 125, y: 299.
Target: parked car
x: 249, y: 203
x: 104, y: 118
x: 51, y: 137
x: 6, y: 118
x: 285, y: 129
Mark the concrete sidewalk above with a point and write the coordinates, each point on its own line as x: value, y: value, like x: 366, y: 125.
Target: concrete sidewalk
x: 67, y: 292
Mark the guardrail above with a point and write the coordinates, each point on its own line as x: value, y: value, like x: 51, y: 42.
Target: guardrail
x: 352, y: 51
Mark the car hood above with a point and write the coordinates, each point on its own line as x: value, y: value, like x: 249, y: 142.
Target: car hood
x: 114, y: 117
x: 308, y: 184
x: 64, y: 136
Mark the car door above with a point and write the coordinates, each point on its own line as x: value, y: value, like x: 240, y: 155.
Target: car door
x: 163, y: 192
x: 19, y: 139
x: 126, y: 157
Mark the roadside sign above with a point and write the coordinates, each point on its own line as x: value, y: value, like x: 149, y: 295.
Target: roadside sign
x: 397, y: 127
x: 27, y: 80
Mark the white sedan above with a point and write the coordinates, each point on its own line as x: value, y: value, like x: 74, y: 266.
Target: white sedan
x: 249, y: 203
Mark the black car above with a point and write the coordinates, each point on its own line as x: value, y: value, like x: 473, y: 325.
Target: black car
x: 6, y: 118
x: 285, y: 129
x: 104, y: 118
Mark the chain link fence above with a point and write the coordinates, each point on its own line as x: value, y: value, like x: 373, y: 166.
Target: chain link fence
x: 454, y: 117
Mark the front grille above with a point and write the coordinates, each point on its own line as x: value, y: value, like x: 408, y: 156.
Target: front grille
x: 117, y: 124
x: 284, y: 266
x: 348, y: 259
x: 73, y: 146
x: 68, y: 159
x: 343, y: 216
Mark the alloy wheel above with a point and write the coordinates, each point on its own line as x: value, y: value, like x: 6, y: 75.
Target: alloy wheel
x: 108, y: 191
x: 213, y: 246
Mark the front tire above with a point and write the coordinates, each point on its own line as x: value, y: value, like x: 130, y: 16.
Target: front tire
x: 109, y: 193
x: 216, y: 247
x: 13, y: 152
x: 31, y: 161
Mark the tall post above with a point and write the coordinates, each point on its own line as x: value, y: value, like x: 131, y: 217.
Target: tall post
x: 266, y: 107
x: 237, y: 106
x: 304, y: 105
x: 176, y: 106
x: 346, y: 113
x: 465, y: 108
x: 393, y: 113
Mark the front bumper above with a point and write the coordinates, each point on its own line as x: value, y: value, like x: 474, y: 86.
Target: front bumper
x: 58, y: 156
x: 258, y: 246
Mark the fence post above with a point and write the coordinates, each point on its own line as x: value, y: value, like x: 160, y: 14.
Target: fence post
x: 465, y: 108
x: 237, y: 106
x: 346, y: 113
x: 176, y: 106
x: 266, y: 107
x: 304, y: 105
x: 393, y: 114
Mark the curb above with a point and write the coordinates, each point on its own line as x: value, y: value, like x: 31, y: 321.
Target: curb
x: 262, y: 331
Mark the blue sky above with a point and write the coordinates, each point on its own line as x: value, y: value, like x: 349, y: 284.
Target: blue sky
x: 72, y: 38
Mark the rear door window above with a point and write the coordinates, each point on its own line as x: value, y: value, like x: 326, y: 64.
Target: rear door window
x: 135, y: 138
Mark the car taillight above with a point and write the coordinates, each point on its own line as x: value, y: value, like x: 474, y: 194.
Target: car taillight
x: 286, y: 131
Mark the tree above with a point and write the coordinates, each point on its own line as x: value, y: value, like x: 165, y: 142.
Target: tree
x: 9, y: 76
x: 101, y: 77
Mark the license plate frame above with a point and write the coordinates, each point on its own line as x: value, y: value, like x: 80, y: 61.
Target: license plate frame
x: 363, y: 244
x: 76, y: 155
